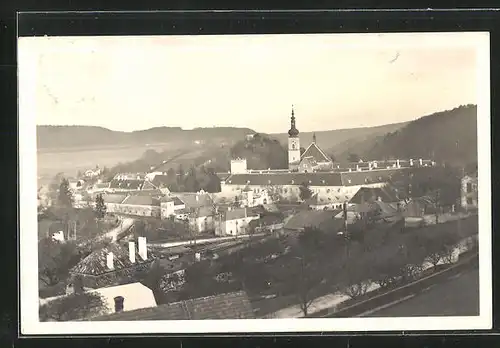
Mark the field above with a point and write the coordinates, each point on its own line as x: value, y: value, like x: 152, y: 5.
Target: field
x: 71, y: 160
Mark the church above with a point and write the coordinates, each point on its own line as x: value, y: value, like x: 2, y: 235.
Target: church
x: 331, y: 185
x: 313, y: 159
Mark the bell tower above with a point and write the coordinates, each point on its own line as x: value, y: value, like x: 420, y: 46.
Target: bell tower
x: 293, y: 144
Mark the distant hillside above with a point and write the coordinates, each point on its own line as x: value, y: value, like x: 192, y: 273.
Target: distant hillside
x: 261, y: 152
x: 339, y: 138
x: 449, y: 136
x: 67, y: 137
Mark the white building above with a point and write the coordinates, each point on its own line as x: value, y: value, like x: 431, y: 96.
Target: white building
x: 468, y: 192
x: 235, y: 221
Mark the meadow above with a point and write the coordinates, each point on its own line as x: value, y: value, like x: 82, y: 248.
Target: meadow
x: 70, y: 161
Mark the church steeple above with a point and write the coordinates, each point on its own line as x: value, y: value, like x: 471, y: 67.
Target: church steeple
x: 293, y: 132
x: 314, y: 138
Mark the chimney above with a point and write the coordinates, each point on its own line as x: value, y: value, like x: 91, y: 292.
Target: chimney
x: 197, y: 197
x: 397, y: 163
x: 131, y: 252
x: 109, y: 261
x: 411, y: 162
x: 143, y: 251
x: 369, y: 165
x: 379, y: 199
x: 197, y: 257
x: 119, y: 303
x: 420, y: 161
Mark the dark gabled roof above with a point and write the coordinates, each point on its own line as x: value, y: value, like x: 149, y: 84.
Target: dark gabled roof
x: 95, y: 263
x: 223, y: 176
x: 191, y: 201
x: 161, y: 180
x: 113, y: 198
x: 240, y: 213
x: 316, y: 153
x: 234, y: 305
x: 126, y: 184
x: 312, y: 179
x: 310, y: 218
x: 148, y: 185
x: 371, y: 194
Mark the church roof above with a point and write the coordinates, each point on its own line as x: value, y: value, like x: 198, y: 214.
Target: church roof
x: 316, y: 153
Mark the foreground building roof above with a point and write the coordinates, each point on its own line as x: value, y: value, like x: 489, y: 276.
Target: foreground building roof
x: 234, y: 305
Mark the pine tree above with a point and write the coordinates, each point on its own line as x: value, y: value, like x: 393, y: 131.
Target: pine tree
x: 65, y: 197
x: 100, y: 207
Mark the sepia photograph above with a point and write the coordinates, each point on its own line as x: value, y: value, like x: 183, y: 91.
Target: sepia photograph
x: 341, y: 179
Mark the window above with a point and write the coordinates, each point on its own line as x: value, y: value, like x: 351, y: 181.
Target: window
x: 327, y: 190
x: 469, y: 201
x: 469, y: 187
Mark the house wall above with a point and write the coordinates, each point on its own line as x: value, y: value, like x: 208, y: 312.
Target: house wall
x: 137, y: 210
x: 468, y: 199
x: 167, y: 209
x: 326, y: 194
x: 203, y: 223
x: 237, y: 226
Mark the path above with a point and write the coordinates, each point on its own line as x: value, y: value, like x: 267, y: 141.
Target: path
x: 439, y: 300
x: 124, y: 225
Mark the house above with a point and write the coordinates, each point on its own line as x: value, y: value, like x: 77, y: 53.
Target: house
x: 235, y: 221
x: 114, y: 264
x: 323, y: 220
x: 127, y: 297
x: 469, y: 192
x: 170, y: 206
x: 317, y: 203
x: 267, y: 223
x: 141, y: 205
x: 201, y: 219
x: 234, y: 305
x: 371, y: 194
x: 76, y: 184
x: 314, y: 159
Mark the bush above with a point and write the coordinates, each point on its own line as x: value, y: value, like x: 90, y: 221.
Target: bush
x: 73, y: 307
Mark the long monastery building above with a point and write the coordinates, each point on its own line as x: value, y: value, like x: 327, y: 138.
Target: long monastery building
x: 333, y: 184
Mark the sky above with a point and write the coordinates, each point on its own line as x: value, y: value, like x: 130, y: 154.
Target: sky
x: 333, y: 81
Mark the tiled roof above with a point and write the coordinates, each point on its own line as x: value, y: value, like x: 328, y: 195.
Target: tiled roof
x: 239, y: 213
x: 316, y: 153
x: 234, y: 305
x: 369, y: 176
x: 161, y: 180
x: 313, y: 179
x: 370, y: 194
x: 148, y: 185
x: 223, y: 176
x: 385, y: 208
x: 314, y: 218
x: 95, y: 263
x: 141, y: 200
x: 189, y: 198
x: 126, y: 184
x: 113, y: 198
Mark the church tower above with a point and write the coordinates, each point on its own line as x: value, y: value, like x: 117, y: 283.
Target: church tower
x: 293, y: 144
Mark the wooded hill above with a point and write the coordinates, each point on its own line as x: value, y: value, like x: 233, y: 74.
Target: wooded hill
x: 63, y: 137
x: 448, y: 136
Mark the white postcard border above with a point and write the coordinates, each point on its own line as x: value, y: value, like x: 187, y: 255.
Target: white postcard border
x: 30, y: 324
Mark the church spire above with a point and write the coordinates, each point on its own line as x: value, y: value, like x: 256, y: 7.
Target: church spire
x: 314, y: 138
x: 293, y: 132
